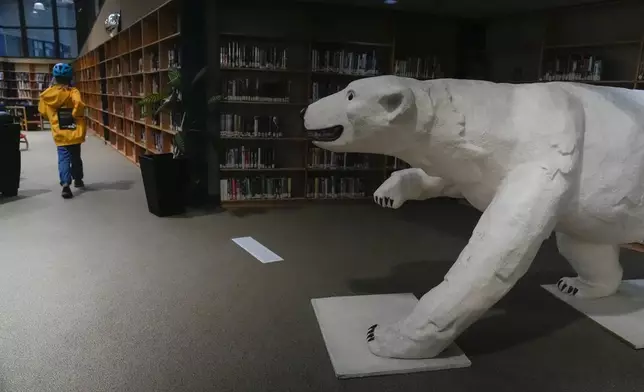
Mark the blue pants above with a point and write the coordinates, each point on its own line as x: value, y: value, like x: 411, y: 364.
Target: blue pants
x: 70, y: 165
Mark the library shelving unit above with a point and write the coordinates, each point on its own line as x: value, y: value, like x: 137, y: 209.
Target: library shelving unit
x: 582, y: 44
x: 115, y: 76
x: 268, y: 76
x: 265, y: 77
x: 21, y: 82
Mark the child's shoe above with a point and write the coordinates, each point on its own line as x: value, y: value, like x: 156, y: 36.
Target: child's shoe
x: 67, y: 192
x: 79, y: 184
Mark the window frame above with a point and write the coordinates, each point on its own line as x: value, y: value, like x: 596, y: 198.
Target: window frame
x: 55, y: 27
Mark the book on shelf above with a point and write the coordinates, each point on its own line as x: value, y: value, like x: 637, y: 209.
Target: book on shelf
x: 573, y: 68
x: 174, y: 57
x: 257, y: 90
x: 249, y: 158
x: 344, y: 62
x: 255, y: 188
x: 324, y: 159
x: 236, y: 126
x: 418, y: 68
x: 235, y: 55
x: 158, y: 141
x: 176, y: 121
x: 334, y: 187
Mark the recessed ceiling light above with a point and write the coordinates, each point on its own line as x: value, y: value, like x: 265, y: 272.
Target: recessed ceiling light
x: 391, y: 1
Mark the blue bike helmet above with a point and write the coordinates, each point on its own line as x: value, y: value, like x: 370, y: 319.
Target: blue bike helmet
x: 62, y: 70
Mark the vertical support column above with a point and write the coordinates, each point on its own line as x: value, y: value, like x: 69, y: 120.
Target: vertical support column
x: 54, y: 9
x: 214, y: 94
x: 23, y: 29
x: 199, y: 142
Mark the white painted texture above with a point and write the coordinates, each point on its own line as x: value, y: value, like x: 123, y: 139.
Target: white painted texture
x: 534, y: 157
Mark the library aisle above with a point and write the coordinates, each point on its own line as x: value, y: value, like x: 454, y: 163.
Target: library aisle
x: 99, y: 295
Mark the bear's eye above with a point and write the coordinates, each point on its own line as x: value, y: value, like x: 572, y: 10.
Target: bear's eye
x: 350, y: 95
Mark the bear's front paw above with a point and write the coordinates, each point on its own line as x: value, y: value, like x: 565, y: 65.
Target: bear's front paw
x: 389, y: 194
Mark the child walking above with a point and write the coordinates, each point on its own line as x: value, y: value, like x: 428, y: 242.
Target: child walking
x: 62, y: 106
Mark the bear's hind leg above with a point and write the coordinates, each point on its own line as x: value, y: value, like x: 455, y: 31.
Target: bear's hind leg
x: 597, y: 265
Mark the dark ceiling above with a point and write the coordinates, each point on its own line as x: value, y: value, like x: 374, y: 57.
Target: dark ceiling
x: 466, y: 8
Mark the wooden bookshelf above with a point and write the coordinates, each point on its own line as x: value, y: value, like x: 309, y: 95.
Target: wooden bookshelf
x: 21, y: 82
x: 273, y: 63
x: 116, y: 75
x: 558, y: 46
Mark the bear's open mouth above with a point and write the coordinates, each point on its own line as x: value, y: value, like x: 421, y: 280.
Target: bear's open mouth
x: 325, y: 134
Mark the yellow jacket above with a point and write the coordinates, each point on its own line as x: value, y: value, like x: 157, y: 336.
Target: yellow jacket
x: 63, y: 97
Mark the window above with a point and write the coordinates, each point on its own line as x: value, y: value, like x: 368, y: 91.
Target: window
x: 37, y: 40
x: 66, y: 13
x: 38, y: 13
x: 10, y: 43
x: 9, y: 13
x: 37, y: 34
x: 68, y: 43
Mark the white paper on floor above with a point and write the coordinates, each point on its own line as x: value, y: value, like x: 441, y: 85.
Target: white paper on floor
x: 257, y: 250
x: 344, y: 322
x: 621, y: 313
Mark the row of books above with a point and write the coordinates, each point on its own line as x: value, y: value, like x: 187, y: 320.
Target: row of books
x: 153, y: 61
x: 257, y: 90
x: 419, y: 68
x: 235, y: 55
x: 253, y: 188
x: 323, y: 159
x: 234, y: 125
x: 323, y: 89
x: 341, y: 61
x: 249, y: 158
x: 24, y: 76
x: 335, y: 187
x: 571, y: 68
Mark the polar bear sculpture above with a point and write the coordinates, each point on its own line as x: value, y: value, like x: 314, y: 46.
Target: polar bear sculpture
x: 536, y: 158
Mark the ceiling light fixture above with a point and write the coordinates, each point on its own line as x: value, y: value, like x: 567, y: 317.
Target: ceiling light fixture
x: 38, y: 6
x: 390, y: 2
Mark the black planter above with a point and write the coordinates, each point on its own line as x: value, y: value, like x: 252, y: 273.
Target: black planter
x: 165, y: 180
x: 9, y: 156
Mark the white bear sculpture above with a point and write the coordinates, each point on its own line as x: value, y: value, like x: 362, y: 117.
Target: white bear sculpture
x: 536, y: 158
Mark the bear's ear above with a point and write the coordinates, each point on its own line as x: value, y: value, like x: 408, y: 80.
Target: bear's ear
x: 397, y: 103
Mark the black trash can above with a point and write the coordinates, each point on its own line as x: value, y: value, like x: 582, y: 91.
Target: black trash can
x: 9, y: 155
x: 164, y: 180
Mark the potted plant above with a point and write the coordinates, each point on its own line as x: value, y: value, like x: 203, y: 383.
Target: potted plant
x: 165, y: 176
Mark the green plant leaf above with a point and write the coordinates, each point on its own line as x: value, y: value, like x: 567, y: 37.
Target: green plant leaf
x: 175, y: 78
x: 151, y: 99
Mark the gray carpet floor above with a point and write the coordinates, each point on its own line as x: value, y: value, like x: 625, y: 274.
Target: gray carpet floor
x: 96, y: 294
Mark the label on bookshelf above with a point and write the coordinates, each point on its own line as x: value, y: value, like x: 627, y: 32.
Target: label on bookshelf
x: 236, y: 126
x: 255, y: 188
